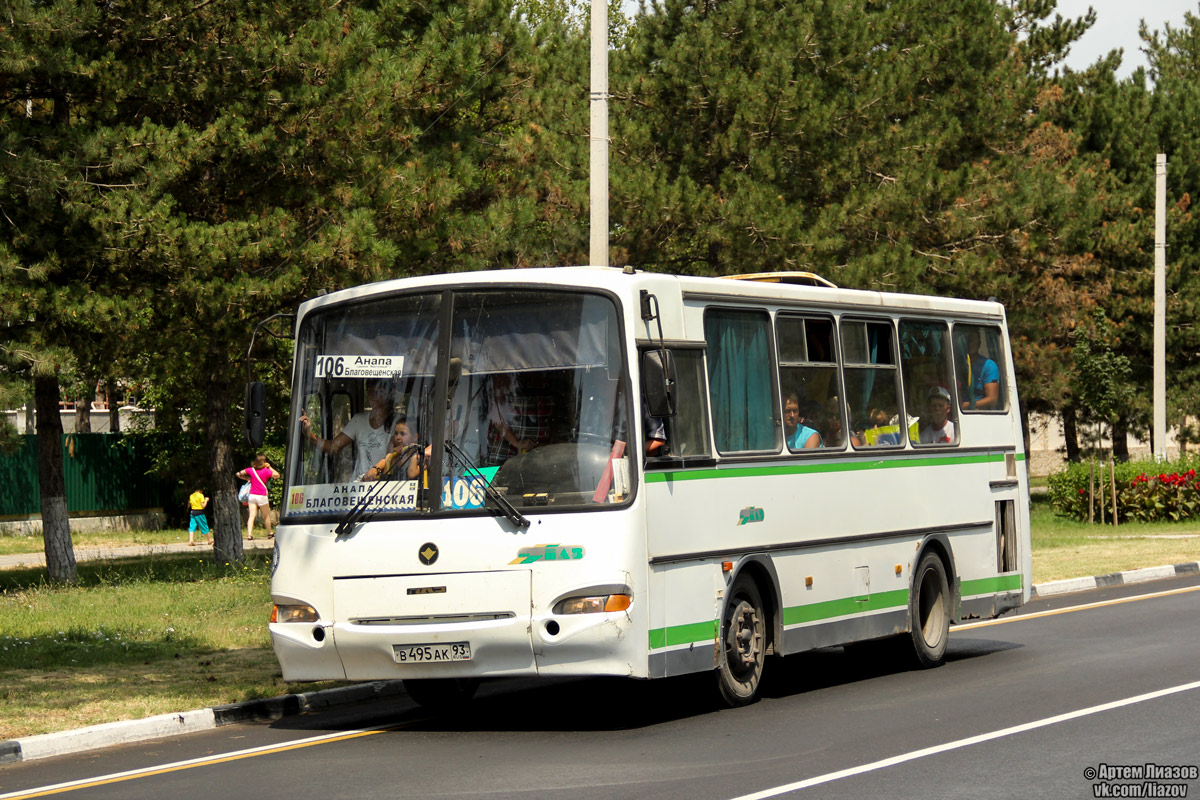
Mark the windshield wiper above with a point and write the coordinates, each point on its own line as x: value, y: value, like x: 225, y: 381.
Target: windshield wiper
x: 507, y: 509
x: 361, y: 512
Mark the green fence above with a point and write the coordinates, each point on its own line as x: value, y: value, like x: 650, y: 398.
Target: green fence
x: 104, y: 473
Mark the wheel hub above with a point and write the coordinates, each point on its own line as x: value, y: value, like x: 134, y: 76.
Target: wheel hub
x: 745, y: 639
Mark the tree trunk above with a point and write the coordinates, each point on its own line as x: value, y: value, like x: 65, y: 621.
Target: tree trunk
x: 1071, y: 434
x: 83, y: 411
x: 56, y: 526
x: 114, y: 407
x: 224, y: 510
x: 1120, y: 439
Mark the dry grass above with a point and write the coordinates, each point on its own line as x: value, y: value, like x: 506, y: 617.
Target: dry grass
x: 1064, y: 548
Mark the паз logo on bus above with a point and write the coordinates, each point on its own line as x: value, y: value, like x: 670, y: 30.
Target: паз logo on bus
x: 751, y: 514
x: 548, y: 552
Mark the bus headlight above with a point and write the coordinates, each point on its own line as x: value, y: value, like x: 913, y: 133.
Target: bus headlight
x: 293, y: 613
x: 594, y: 604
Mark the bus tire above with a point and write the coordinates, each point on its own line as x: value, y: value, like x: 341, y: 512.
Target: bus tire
x: 929, y: 610
x: 741, y: 646
x: 441, y: 693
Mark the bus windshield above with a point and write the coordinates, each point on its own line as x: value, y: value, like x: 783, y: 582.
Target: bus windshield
x: 513, y: 392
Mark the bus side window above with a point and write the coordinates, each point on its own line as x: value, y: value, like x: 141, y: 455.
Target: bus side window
x: 929, y: 392
x: 872, y: 386
x: 740, y: 385
x: 977, y: 364
x: 687, y: 431
x: 808, y: 383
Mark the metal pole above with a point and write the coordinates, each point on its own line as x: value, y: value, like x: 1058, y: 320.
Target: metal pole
x: 1160, y: 307
x: 598, y: 251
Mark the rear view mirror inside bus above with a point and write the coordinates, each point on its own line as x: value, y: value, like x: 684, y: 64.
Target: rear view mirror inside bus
x: 658, y: 382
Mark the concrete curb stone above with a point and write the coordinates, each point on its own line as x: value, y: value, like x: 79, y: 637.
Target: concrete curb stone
x: 113, y: 733
x: 63, y: 743
x: 1114, y: 579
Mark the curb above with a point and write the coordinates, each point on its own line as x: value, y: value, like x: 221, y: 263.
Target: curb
x: 63, y: 743
x: 1113, y: 579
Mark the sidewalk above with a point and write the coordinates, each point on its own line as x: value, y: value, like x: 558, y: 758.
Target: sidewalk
x: 127, y: 732
x: 102, y: 553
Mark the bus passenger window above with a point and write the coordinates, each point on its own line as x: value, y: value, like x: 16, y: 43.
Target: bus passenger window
x: 808, y: 382
x: 871, y: 377
x: 977, y: 364
x: 927, y: 372
x: 740, y: 385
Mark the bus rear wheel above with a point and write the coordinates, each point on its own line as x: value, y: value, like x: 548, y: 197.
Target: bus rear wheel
x: 929, y: 610
x: 441, y: 693
x: 742, y: 644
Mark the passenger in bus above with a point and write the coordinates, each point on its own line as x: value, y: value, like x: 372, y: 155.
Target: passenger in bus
x: 881, y: 430
x: 831, y: 432
x: 936, y: 427
x: 403, y: 446
x: 983, y: 376
x: 798, y: 434
x: 369, y: 430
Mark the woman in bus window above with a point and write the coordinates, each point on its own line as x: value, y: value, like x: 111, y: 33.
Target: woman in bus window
x: 983, y: 376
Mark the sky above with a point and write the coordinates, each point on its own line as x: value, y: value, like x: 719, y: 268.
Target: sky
x: 1117, y: 26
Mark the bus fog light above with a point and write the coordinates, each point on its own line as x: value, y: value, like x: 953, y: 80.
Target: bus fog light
x: 293, y: 613
x: 593, y: 605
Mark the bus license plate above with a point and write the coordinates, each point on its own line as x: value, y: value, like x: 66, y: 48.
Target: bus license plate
x: 431, y: 653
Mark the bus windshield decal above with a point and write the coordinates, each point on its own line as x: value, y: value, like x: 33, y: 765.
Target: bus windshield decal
x: 358, y: 366
x: 464, y: 493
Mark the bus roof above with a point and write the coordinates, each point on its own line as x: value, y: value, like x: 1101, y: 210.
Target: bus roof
x: 767, y: 287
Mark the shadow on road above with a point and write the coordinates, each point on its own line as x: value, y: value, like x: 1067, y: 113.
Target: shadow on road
x: 617, y: 704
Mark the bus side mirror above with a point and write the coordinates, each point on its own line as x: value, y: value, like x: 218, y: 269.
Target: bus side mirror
x: 658, y: 382
x: 256, y: 413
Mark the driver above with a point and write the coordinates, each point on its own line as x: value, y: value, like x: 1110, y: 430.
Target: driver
x: 368, y: 429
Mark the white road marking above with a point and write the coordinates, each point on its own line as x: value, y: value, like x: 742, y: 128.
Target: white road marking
x: 117, y: 777
x: 983, y: 737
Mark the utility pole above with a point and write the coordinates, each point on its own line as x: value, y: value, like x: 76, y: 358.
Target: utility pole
x: 598, y: 161
x: 1159, y: 440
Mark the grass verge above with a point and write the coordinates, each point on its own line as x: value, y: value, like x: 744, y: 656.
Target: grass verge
x: 1067, y: 548
x: 175, y: 631
x: 136, y: 637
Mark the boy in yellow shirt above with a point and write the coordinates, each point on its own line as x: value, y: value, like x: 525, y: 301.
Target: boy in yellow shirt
x: 197, y: 502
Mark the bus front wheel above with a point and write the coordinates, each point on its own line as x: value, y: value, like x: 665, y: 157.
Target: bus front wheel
x: 742, y: 644
x: 929, y: 610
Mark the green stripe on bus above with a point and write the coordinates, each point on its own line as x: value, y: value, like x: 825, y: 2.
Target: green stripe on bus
x: 1000, y: 583
x: 828, y: 609
x: 815, y: 467
x: 845, y: 607
x: 683, y: 634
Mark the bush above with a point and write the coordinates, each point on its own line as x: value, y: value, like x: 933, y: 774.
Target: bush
x: 1147, y: 491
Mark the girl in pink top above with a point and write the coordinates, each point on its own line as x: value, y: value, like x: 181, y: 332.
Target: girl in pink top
x: 258, y: 474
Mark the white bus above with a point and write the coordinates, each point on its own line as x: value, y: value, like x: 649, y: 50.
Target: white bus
x: 598, y: 471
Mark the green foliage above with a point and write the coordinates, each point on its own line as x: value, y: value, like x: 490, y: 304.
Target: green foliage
x: 149, y: 609
x: 1147, y: 491
x: 1101, y: 379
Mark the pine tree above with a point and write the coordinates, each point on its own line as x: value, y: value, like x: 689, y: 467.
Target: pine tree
x: 188, y: 169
